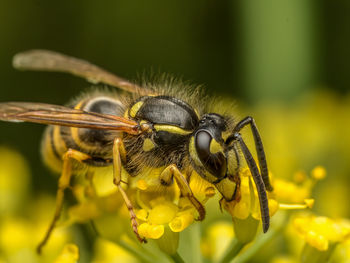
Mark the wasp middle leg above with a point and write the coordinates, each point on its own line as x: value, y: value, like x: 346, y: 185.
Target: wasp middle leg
x: 166, y: 178
x: 119, y: 155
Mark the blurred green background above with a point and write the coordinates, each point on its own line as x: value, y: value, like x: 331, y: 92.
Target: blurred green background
x: 261, y: 53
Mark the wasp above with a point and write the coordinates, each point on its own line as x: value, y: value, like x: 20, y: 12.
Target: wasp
x: 150, y: 128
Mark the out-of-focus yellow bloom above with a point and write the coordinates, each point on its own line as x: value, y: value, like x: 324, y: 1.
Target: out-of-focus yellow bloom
x: 318, y: 173
x: 23, y: 225
x: 342, y: 252
x: 300, y: 190
x: 14, y: 180
x: 216, y: 240
x: 283, y: 259
x: 20, y: 235
x: 106, y: 251
x: 69, y: 254
x: 320, y: 231
x: 286, y: 191
x: 296, y: 195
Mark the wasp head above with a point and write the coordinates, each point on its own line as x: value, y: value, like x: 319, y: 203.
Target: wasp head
x: 213, y: 160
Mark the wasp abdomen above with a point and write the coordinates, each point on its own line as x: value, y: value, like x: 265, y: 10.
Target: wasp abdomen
x: 90, y: 138
x: 97, y: 143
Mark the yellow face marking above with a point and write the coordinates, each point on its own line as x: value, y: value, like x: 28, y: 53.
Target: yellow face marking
x: 135, y: 108
x: 148, y: 145
x: 171, y: 129
x: 215, y: 147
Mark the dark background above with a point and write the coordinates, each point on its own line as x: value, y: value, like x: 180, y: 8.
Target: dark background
x: 254, y: 51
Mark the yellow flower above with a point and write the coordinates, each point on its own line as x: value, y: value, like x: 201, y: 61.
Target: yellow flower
x: 23, y: 225
x: 164, y: 220
x: 14, y: 180
x: 283, y: 259
x: 320, y: 231
x: 318, y: 173
x: 69, y: 254
x: 106, y: 251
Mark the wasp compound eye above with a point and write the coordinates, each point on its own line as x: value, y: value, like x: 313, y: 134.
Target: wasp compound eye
x: 212, y: 160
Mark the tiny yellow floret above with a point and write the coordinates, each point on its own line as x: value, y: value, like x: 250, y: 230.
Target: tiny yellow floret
x: 241, y: 210
x: 179, y: 223
x: 317, y: 241
x: 151, y: 231
x: 318, y: 173
x: 162, y: 214
x: 141, y: 214
x: 69, y: 254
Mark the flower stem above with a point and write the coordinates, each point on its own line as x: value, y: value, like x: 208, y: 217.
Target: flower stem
x: 312, y: 255
x: 133, y: 251
x: 261, y: 241
x: 195, y: 243
x: 236, y: 247
x: 256, y: 246
x: 177, y: 258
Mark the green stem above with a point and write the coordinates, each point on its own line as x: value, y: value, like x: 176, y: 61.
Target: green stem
x: 313, y: 255
x: 134, y: 252
x: 256, y: 246
x: 236, y: 247
x: 262, y: 239
x: 177, y: 258
x: 195, y: 243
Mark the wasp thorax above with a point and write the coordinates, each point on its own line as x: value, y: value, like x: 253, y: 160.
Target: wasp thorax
x: 209, y: 144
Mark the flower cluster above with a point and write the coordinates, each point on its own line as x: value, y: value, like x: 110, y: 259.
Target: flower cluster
x: 168, y: 219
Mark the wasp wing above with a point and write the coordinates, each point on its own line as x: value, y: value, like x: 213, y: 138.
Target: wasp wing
x: 45, y: 60
x: 64, y: 116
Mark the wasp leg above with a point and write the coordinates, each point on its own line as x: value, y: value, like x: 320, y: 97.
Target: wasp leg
x: 166, y: 178
x: 237, y: 180
x: 119, y: 155
x: 90, y: 189
x: 63, y: 184
x: 259, y: 149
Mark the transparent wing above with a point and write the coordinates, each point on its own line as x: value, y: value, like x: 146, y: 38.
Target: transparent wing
x: 64, y: 116
x: 45, y: 60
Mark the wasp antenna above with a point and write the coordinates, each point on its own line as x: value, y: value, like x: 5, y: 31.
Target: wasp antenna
x: 258, y: 146
x: 259, y: 183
